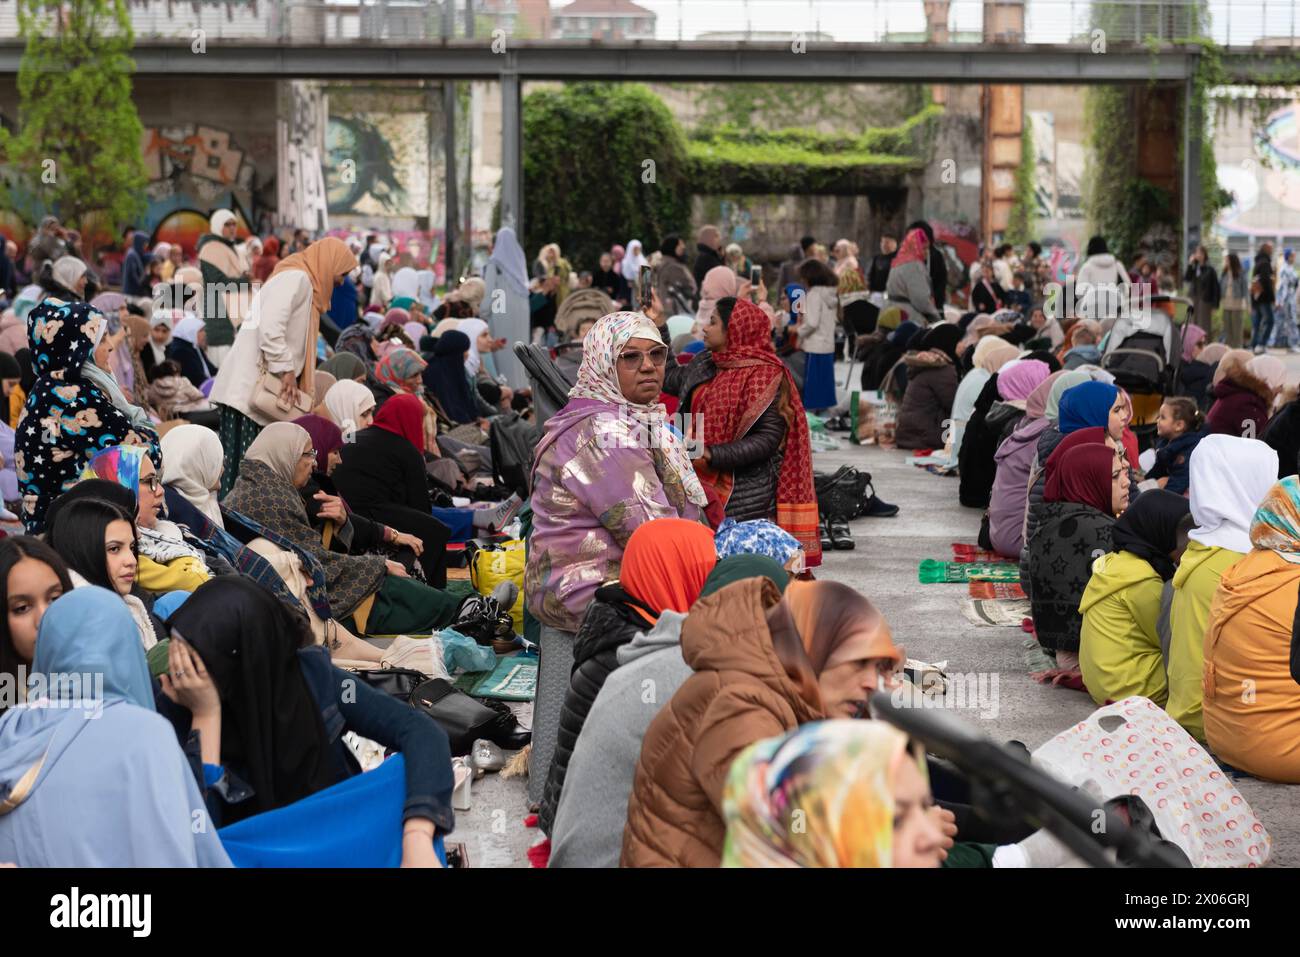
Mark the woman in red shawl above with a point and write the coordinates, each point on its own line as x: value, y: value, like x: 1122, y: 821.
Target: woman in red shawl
x: 757, y: 459
x: 908, y: 286
x: 265, y: 264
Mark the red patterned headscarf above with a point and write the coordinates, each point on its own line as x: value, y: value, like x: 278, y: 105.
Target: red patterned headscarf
x: 915, y: 249
x: 749, y: 380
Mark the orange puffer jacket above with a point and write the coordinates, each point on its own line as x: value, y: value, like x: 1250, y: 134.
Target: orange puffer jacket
x: 739, y: 694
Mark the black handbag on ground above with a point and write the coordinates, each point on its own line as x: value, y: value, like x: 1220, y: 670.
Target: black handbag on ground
x: 466, y: 719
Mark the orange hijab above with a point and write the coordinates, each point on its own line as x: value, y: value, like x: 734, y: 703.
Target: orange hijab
x: 665, y: 564
x: 323, y: 261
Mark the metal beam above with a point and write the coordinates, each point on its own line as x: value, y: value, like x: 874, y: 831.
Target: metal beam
x: 451, y: 223
x: 669, y: 61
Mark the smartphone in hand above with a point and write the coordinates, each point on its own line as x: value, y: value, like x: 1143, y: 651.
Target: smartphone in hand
x: 643, y: 289
x: 755, y: 278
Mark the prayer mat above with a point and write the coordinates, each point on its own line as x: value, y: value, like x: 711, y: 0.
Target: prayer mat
x: 1003, y: 614
x: 932, y: 571
x: 996, y: 590
x: 964, y: 552
x: 513, y: 679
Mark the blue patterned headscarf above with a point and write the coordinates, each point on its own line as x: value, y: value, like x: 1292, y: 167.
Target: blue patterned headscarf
x: 759, y: 537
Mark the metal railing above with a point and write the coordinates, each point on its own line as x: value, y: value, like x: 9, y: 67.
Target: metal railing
x: 1237, y: 23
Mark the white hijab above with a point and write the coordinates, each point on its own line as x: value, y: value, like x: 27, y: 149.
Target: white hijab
x: 633, y: 260
x: 189, y: 328
x: 1229, y: 478
x: 345, y: 402
x: 192, y: 462
x: 473, y: 328
x: 406, y: 282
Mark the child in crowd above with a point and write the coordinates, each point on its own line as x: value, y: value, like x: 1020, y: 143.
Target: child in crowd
x: 1180, y: 427
x: 172, y: 394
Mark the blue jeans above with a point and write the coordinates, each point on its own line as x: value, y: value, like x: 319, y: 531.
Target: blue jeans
x: 1261, y: 320
x: 1285, y: 332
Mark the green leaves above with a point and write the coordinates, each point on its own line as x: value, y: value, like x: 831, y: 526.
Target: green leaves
x: 78, y: 147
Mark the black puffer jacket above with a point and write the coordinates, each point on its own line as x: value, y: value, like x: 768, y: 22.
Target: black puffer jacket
x: 608, y: 625
x: 754, y: 460
x: 975, y: 466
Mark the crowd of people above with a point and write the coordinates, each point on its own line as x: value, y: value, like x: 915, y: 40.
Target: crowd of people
x: 227, y: 477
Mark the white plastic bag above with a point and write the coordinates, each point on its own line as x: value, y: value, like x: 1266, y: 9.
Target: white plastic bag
x: 1134, y: 747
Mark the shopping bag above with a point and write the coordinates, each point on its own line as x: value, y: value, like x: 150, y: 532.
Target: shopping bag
x: 490, y: 565
x: 1134, y: 747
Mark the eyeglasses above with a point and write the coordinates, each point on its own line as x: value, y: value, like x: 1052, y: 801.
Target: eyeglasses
x: 153, y: 482
x: 633, y: 360
x: 309, y: 454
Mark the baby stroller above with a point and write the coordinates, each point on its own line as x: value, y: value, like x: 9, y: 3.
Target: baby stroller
x: 552, y: 373
x: 1144, y: 353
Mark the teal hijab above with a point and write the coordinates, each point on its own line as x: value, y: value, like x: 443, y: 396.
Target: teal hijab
x: 739, y: 567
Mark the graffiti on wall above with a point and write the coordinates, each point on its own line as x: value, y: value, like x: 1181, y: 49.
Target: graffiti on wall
x: 418, y: 248
x: 378, y: 164
x: 1260, y: 168
x: 193, y: 169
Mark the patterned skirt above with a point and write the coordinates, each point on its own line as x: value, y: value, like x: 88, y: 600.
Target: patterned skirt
x: 237, y: 433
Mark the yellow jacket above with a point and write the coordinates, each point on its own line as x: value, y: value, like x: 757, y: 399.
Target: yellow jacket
x: 1119, y: 646
x: 183, y: 574
x: 1252, y: 703
x: 1195, y: 582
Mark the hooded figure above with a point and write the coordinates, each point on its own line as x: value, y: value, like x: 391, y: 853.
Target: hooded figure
x: 135, y: 279
x: 504, y: 305
x: 1229, y: 478
x: 445, y: 378
x: 1250, y: 643
x: 185, y: 349
x: 909, y: 280
x: 1243, y: 396
x: 97, y: 783
x: 67, y: 418
x: 1119, y: 650
x: 1014, y: 463
x: 931, y: 388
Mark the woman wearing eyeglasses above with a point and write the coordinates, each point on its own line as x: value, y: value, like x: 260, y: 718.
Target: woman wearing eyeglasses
x: 167, y: 561
x: 606, y: 464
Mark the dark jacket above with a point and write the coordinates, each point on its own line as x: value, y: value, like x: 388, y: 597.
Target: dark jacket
x: 379, y: 469
x: 927, y: 403
x: 608, y: 625
x: 1061, y: 552
x: 1240, y: 398
x: 976, y: 468
x: 754, y: 460
x: 982, y: 300
x: 1047, y: 443
x: 135, y: 280
x: 358, y: 537
x: 705, y: 259
x: 1174, y: 461
x: 1263, y: 272
x: 1283, y: 436
x: 192, y: 360
x: 1202, y: 283
x: 1194, y: 380
x: 878, y: 274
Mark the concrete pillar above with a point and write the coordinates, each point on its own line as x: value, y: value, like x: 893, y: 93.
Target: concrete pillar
x: 512, y: 166
x: 451, y: 228
x: 1193, y: 130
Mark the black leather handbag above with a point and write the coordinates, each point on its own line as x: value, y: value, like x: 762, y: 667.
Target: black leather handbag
x: 466, y: 719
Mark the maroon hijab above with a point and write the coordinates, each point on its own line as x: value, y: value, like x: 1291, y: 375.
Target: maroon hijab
x: 1082, y: 475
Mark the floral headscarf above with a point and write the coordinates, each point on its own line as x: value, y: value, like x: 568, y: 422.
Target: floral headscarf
x: 598, y: 379
x: 1277, y: 520
x: 67, y: 418
x: 819, y: 796
x: 397, y: 366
